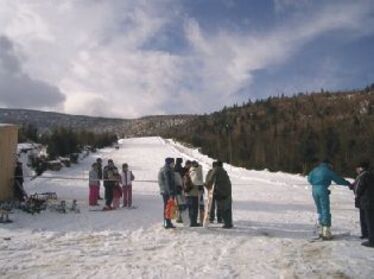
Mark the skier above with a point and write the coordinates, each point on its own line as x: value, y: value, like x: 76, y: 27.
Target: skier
x: 99, y: 163
x: 320, y: 178
x: 222, y: 193
x: 196, y: 174
x: 126, y: 180
x: 364, y: 192
x: 166, y: 181
x: 109, y: 173
x: 93, y: 184
x: 213, y: 210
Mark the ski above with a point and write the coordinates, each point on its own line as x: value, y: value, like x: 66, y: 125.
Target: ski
x: 334, y: 237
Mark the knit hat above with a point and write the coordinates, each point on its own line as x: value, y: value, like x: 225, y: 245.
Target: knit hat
x: 169, y: 161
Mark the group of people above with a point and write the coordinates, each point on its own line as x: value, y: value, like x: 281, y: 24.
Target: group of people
x: 116, y: 185
x: 185, y: 185
x: 363, y: 187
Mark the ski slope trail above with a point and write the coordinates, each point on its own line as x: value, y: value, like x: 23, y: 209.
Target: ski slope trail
x: 273, y: 216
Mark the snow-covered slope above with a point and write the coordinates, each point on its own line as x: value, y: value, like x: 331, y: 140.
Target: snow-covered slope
x: 273, y: 217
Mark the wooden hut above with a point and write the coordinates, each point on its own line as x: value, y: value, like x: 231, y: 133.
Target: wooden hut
x: 8, y: 158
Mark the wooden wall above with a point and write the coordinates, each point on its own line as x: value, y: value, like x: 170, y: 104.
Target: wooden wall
x: 8, y: 159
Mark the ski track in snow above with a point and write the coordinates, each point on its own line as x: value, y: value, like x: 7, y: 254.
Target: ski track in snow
x: 273, y: 216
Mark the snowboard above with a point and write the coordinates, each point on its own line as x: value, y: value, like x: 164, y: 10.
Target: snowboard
x: 209, y: 207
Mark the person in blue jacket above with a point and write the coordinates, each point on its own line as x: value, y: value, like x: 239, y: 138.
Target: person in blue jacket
x: 320, y: 178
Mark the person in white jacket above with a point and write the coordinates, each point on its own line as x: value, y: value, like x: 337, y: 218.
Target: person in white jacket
x: 197, y: 178
x: 126, y: 180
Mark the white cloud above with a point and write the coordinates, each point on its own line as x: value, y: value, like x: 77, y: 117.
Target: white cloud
x: 94, y: 52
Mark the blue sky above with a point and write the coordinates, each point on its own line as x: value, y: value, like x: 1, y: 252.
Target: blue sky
x: 127, y: 58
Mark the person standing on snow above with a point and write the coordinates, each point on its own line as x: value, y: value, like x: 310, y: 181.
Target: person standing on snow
x: 99, y: 163
x: 213, y: 210
x: 127, y: 178
x: 93, y: 184
x: 166, y: 182
x: 109, y: 175
x: 364, y: 192
x: 320, y: 178
x: 181, y: 201
x: 196, y: 174
x: 222, y: 193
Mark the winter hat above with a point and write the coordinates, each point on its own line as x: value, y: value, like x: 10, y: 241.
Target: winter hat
x: 364, y: 165
x: 169, y: 161
x: 179, y: 160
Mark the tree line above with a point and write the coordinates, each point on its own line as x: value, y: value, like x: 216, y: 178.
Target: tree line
x: 63, y: 141
x: 289, y: 133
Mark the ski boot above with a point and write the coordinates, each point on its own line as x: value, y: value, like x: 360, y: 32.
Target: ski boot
x: 326, y: 233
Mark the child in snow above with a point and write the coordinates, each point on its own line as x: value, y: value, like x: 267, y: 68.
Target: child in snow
x: 126, y: 179
x: 117, y: 192
x: 93, y: 183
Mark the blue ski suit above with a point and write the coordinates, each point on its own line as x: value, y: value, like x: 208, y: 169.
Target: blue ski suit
x: 320, y: 178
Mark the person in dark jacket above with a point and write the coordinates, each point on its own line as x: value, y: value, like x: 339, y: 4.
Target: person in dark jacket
x: 364, y: 191
x: 222, y: 193
x: 110, y: 173
x: 99, y: 163
x: 166, y: 182
x: 19, y: 192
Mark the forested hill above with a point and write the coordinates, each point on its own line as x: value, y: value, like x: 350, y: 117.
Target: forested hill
x: 289, y: 133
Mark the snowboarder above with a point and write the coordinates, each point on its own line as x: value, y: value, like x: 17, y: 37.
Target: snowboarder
x: 166, y: 181
x: 93, y: 184
x: 126, y: 180
x: 213, y: 210
x: 320, y: 178
x: 364, y: 193
x: 222, y: 193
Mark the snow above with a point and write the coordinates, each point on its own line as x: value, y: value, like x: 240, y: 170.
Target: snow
x: 273, y: 216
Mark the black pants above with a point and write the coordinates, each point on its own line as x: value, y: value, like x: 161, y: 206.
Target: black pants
x: 364, y: 227
x: 225, y: 207
x: 108, y: 194
x: 215, y: 211
x: 369, y: 216
x: 193, y: 209
x: 165, y: 198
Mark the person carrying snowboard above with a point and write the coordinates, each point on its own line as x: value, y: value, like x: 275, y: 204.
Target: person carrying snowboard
x: 166, y: 182
x: 213, y: 210
x: 320, y: 178
x: 222, y: 193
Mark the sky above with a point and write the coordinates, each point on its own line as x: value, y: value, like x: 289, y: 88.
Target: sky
x: 127, y: 59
